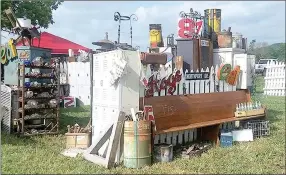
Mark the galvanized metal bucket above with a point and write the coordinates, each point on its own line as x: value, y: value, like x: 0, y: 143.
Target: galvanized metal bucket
x: 163, y: 152
x: 137, y: 144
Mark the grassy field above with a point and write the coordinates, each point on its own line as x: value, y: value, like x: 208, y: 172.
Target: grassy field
x: 42, y: 154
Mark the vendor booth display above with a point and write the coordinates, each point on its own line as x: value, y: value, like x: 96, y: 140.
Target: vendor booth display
x: 145, y: 107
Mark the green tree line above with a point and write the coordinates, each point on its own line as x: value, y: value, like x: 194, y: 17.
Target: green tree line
x: 264, y: 51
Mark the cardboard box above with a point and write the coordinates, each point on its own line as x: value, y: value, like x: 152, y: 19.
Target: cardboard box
x: 71, y: 59
x: 250, y: 112
x: 78, y: 140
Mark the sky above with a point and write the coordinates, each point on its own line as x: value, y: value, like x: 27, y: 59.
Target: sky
x: 85, y: 22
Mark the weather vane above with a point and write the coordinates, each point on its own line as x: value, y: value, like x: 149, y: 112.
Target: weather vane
x: 119, y: 18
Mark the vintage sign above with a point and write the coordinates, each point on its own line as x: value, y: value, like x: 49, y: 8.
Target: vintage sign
x: 8, y: 52
x: 205, y: 43
x: 179, y: 62
x: 148, y: 110
x: 149, y: 113
x: 143, y: 78
x: 233, y: 76
x: 3, y: 55
x: 197, y: 76
x: 13, y: 49
x: 169, y: 83
x: 155, y: 34
x: 187, y: 27
x: 230, y: 76
x: 24, y: 55
x: 69, y: 102
x: 223, y: 71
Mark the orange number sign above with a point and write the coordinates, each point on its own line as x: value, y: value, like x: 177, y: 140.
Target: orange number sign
x: 230, y: 76
x: 223, y: 71
x: 233, y: 76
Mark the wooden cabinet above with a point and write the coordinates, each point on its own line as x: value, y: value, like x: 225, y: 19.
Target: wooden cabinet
x: 205, y: 53
x: 196, y: 53
x: 188, y: 50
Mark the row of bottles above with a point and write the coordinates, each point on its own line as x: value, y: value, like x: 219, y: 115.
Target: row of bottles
x: 248, y: 106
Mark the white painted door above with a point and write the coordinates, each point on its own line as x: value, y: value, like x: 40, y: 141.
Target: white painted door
x: 241, y: 60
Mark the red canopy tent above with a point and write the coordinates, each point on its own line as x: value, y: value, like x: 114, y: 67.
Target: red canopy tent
x: 57, y: 44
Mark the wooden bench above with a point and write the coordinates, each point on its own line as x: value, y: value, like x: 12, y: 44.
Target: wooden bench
x: 205, y: 111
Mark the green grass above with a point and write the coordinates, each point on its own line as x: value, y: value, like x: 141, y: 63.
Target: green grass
x: 42, y: 154
x: 259, y: 84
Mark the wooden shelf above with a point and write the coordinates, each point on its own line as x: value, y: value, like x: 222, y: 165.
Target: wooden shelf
x: 23, y: 126
x: 27, y: 109
x: 35, y: 126
x: 37, y: 98
x: 209, y: 123
x: 37, y: 88
x: 36, y: 77
x: 35, y: 118
x: 38, y: 67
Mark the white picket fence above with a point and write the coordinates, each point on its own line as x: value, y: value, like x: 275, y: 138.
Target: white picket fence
x: 275, y: 79
x: 192, y: 87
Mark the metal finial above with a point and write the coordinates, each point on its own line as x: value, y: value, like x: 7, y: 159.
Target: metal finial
x: 106, y: 35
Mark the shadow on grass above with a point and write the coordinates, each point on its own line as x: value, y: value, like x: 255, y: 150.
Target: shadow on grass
x: 71, y: 120
x: 259, y: 92
x: 69, y: 116
x: 273, y: 115
x: 11, y: 139
x: 77, y: 109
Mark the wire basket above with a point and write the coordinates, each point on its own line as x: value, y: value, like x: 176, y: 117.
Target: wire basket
x: 259, y: 128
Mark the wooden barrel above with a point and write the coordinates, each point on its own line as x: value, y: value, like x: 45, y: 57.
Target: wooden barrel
x: 137, y: 144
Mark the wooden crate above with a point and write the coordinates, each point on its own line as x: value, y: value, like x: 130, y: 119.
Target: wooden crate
x: 249, y: 112
x: 240, y: 114
x: 78, y: 140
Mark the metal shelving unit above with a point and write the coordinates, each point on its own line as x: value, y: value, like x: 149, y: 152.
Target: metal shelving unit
x: 37, y: 115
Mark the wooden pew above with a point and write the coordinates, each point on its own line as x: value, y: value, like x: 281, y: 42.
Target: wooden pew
x: 204, y: 111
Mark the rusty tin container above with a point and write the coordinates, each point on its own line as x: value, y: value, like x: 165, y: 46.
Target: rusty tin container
x: 137, y: 144
x: 212, y: 21
x: 224, y: 39
x: 163, y: 152
x: 155, y: 35
x: 153, y: 58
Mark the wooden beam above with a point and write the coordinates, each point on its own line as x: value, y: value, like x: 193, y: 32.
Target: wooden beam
x: 100, y: 142
x: 114, y: 138
x: 153, y: 58
x: 209, y: 123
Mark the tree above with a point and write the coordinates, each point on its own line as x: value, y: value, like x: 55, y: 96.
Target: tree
x: 251, y: 46
x: 281, y: 51
x: 39, y: 11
